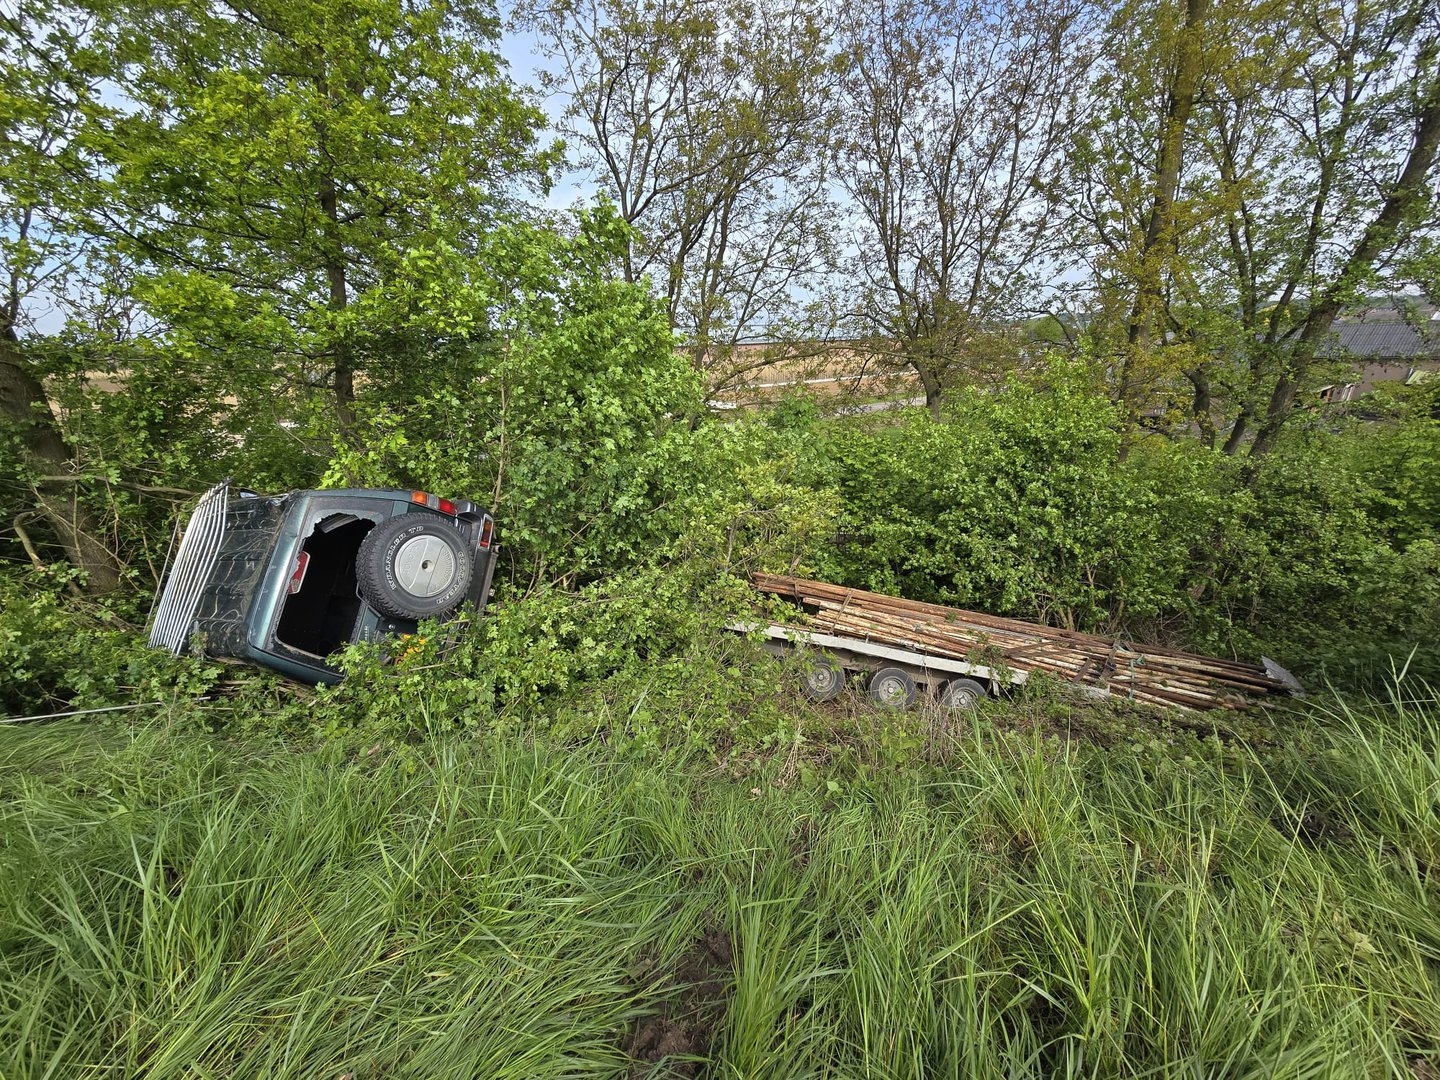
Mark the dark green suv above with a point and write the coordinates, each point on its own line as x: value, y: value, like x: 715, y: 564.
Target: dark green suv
x: 286, y: 580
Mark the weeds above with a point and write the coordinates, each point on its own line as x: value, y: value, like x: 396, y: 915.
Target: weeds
x: 1024, y: 905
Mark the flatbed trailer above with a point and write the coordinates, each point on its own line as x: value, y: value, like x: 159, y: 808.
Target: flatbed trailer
x: 906, y: 649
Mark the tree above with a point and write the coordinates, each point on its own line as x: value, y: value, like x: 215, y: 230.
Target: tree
x: 276, y: 158
x: 1396, y: 186
x: 49, y: 72
x: 1250, y: 168
x: 1158, y: 239
x: 1126, y: 194
x: 955, y: 116
x: 701, y: 119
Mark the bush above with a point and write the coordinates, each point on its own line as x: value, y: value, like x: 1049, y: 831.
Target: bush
x: 642, y: 660
x: 1019, y: 503
x: 58, y: 654
x: 531, y: 377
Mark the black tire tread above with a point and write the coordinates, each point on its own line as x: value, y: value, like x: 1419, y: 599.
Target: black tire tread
x: 370, y: 569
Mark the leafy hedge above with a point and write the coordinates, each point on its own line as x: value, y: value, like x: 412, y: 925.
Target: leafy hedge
x: 1019, y: 502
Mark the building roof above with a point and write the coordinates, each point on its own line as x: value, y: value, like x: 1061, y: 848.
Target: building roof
x: 1373, y: 339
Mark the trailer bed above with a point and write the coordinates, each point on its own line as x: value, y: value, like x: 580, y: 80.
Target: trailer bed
x: 933, y: 642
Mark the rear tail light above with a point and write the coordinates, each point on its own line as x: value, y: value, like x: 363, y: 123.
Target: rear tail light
x: 434, y: 502
x: 298, y: 577
x: 485, y: 530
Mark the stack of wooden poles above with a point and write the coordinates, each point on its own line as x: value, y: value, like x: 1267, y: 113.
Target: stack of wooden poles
x: 1154, y: 676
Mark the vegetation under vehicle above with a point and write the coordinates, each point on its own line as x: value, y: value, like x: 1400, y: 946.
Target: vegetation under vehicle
x: 284, y: 581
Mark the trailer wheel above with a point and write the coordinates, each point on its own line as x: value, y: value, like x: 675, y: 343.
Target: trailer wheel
x: 962, y: 694
x: 892, y: 688
x: 823, y: 680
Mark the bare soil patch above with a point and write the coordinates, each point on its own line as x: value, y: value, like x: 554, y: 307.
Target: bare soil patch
x: 675, y: 1042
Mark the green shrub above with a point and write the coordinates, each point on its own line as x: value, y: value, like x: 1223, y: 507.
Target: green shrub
x: 642, y: 660
x: 58, y: 654
x: 1019, y: 503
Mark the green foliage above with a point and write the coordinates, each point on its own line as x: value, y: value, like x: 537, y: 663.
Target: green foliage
x: 43, y: 166
x: 650, y: 631
x: 1015, y: 504
x: 275, y: 160
x: 1214, y: 286
x: 1400, y: 460
x: 57, y: 656
x: 1019, y: 503
x: 559, y: 397
x: 593, y: 826
x: 557, y: 394
x: 205, y: 188
x: 537, y: 670
x: 1314, y: 575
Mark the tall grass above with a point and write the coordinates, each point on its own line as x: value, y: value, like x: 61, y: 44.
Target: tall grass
x: 173, y: 905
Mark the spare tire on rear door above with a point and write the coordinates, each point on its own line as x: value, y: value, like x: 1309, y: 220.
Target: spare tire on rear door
x: 413, y: 567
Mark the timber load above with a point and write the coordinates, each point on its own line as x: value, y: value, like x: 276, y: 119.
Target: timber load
x: 1151, y: 675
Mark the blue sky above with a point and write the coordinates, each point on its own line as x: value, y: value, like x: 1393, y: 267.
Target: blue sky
x: 520, y: 49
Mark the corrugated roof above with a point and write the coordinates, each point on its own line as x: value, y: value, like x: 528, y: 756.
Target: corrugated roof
x: 1373, y: 340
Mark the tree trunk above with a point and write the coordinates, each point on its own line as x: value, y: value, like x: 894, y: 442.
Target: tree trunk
x: 1200, y: 406
x: 1159, y: 228
x: 1238, y: 432
x: 344, y: 379
x: 25, y: 405
x: 931, y: 385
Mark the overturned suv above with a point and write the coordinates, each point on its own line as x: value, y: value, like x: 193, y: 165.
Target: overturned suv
x: 286, y: 580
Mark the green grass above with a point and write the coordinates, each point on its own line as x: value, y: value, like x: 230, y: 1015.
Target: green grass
x: 174, y: 905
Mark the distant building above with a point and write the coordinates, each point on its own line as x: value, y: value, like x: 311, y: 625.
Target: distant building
x: 1388, y: 341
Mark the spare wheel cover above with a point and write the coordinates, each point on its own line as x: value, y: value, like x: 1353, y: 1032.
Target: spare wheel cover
x: 423, y: 566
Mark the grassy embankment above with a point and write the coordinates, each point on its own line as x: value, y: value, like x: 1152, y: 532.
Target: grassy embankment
x: 178, y: 905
